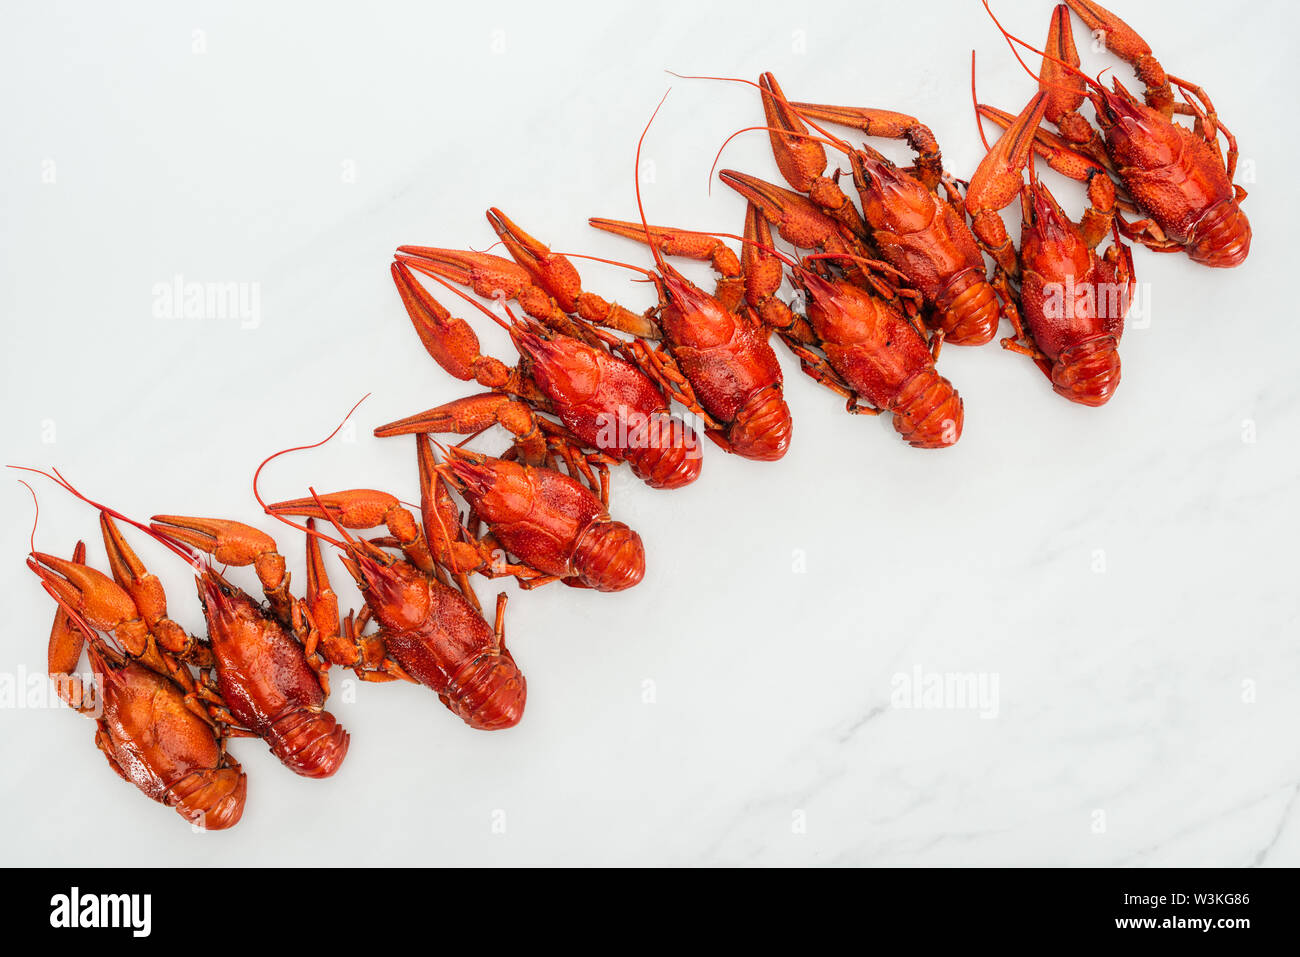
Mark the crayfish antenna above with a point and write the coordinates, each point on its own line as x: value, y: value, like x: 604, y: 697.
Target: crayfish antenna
x: 775, y: 105
x: 300, y: 448
x: 825, y: 140
x: 975, y: 101
x: 35, y: 518
x: 636, y: 181
x: 191, y: 557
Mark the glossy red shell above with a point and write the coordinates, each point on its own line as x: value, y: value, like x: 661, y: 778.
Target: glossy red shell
x: 731, y: 367
x: 1072, y: 303
x: 166, y: 750
x: 442, y: 641
x: 1176, y: 178
x: 923, y: 237
x: 884, y: 359
x: 270, y: 689
x: 552, y: 523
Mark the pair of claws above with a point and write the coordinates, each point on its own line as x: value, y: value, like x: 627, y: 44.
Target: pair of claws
x: 544, y: 283
x: 131, y: 604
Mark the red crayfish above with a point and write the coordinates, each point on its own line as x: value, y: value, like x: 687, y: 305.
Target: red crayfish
x: 904, y: 221
x: 260, y: 672
x: 603, y: 401
x: 1176, y: 177
x: 714, y: 356
x: 1072, y: 301
x: 151, y: 726
x: 857, y: 338
x: 430, y: 624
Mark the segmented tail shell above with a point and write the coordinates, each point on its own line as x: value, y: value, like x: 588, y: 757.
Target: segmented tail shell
x: 1220, y: 238
x: 489, y: 693
x: 968, y: 309
x: 310, y: 743
x: 1089, y: 372
x: 609, y: 556
x: 668, y: 455
x: 212, y: 799
x: 762, y: 427
x: 928, y: 412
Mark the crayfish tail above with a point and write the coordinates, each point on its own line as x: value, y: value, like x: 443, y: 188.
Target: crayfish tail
x: 1221, y: 238
x: 669, y: 456
x: 490, y: 694
x: 310, y: 743
x: 762, y: 427
x: 211, y: 799
x: 609, y: 556
x: 928, y: 412
x: 968, y: 310
x: 1089, y: 372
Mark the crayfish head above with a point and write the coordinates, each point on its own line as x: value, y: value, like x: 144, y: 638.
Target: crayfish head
x: 396, y: 591
x: 1050, y: 244
x: 224, y: 605
x: 831, y: 305
x: 891, y: 198
x: 1136, y: 135
x: 684, y: 294
x: 562, y: 367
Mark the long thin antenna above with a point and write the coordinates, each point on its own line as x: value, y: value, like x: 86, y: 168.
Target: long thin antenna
x: 609, y: 262
x: 654, y: 250
x: 299, y: 448
x: 830, y: 140
x: 37, y: 517
x: 190, y: 556
x: 842, y: 145
x: 833, y: 142
x: 979, y: 122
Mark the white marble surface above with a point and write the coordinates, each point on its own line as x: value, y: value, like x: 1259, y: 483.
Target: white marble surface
x: 1145, y: 713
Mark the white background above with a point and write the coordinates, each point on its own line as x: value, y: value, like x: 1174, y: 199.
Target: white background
x: 1146, y: 713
